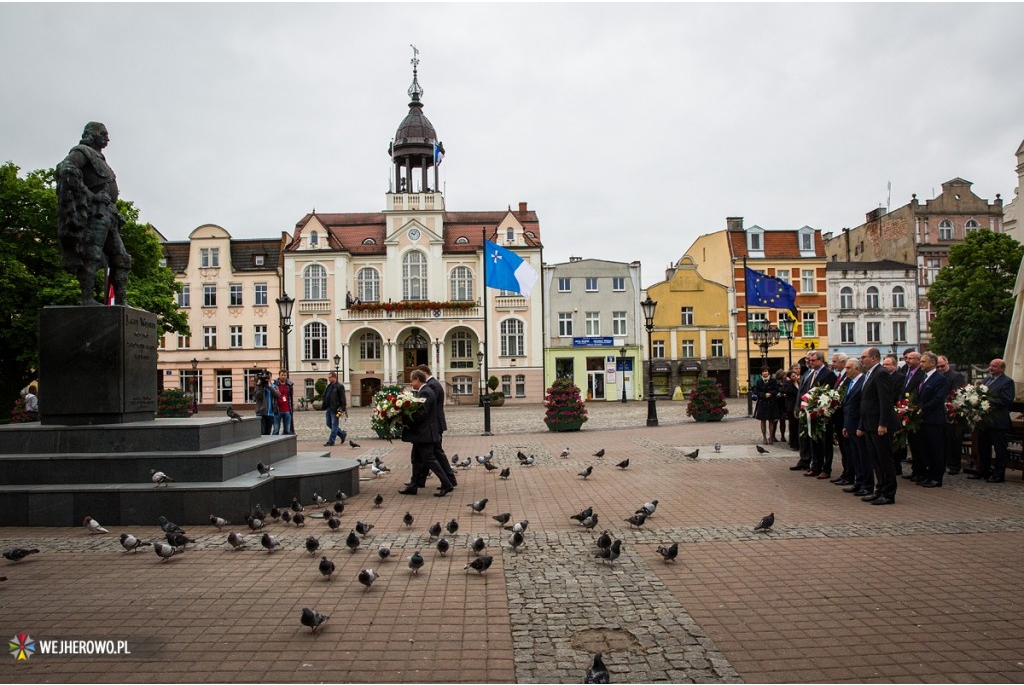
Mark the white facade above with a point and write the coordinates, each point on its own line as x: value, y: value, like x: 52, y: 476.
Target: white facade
x: 872, y: 304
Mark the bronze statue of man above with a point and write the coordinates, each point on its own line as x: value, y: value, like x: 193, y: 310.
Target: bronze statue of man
x: 88, y: 223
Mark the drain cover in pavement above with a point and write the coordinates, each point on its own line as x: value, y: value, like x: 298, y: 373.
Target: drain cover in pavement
x: 604, y: 640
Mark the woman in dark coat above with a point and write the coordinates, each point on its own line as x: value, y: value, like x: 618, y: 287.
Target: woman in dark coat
x: 767, y: 410
x: 782, y: 379
x: 791, y: 392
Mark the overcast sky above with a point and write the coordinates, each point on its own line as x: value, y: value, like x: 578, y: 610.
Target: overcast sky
x: 630, y: 129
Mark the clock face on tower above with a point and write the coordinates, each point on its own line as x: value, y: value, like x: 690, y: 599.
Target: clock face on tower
x: 414, y: 234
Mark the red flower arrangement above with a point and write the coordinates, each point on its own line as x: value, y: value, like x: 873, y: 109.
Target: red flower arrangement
x: 412, y: 305
x: 909, y: 415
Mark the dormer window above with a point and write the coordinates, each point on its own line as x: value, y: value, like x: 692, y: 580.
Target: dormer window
x: 755, y: 241
x: 462, y: 240
x: 258, y: 260
x: 805, y: 241
x: 314, y: 239
x: 369, y: 241
x: 510, y: 234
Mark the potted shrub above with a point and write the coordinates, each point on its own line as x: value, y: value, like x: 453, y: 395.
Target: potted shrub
x: 318, y: 399
x: 173, y: 403
x: 707, y: 401
x: 565, y: 410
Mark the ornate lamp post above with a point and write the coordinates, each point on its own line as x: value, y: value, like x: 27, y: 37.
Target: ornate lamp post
x: 765, y: 337
x: 195, y: 386
x: 485, y: 397
x: 622, y: 357
x: 337, y: 363
x: 648, y: 306
x: 786, y: 322
x: 284, y: 308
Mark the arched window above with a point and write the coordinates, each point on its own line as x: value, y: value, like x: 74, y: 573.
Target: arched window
x: 872, y: 297
x: 414, y: 276
x: 314, y: 280
x: 314, y: 339
x: 462, y: 283
x: 945, y: 230
x: 368, y: 285
x: 369, y: 346
x: 512, y: 338
x: 462, y: 240
x: 846, y: 298
x: 899, y: 299
x: 971, y: 226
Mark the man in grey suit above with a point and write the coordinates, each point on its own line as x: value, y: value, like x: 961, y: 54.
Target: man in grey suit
x: 877, y: 418
x: 992, y: 432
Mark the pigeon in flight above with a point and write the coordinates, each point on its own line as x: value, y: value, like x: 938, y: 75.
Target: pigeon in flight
x: 93, y: 526
x: 132, y: 543
x: 18, y: 553
x: 264, y: 469
x: 623, y: 464
x: 586, y: 472
x: 505, y: 473
x: 452, y: 526
x: 480, y: 564
x: 597, y: 673
x: 718, y: 447
x: 590, y: 522
x: 583, y: 514
x: 636, y: 520
x: 353, y: 444
x: 443, y: 546
x: 516, y: 541
x: 363, y: 528
x: 600, y: 453
x: 312, y: 545
x: 766, y: 523
x: 383, y: 552
x: 233, y: 415
x: 378, y: 500
x: 435, y: 531
x: 408, y: 519
x: 604, y: 540
x: 326, y: 568
x: 269, y: 542
x: 366, y: 577
x: 519, y: 527
x: 565, y: 453
x: 761, y: 450
x: 313, y: 619
x: 502, y: 519
x: 165, y: 552
x: 610, y: 554
x: 478, y: 545
x: 692, y: 455
x: 218, y: 521
x: 235, y: 540
x: 352, y: 541
x: 478, y: 506
x: 648, y: 508
x: 334, y: 524
x: 669, y: 553
x: 160, y: 478
x: 416, y: 562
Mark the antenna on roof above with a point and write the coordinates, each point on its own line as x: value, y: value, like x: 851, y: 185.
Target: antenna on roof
x: 888, y: 195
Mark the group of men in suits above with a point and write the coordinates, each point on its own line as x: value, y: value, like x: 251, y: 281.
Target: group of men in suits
x: 425, y: 430
x: 864, y: 426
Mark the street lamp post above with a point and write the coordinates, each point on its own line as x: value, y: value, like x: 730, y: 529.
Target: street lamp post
x: 485, y: 397
x: 195, y: 386
x: 786, y: 327
x: 622, y: 377
x: 337, y: 363
x: 648, y: 306
x: 765, y: 337
x: 284, y: 308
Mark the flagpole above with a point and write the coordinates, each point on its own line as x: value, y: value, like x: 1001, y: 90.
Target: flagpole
x: 485, y: 394
x: 746, y: 331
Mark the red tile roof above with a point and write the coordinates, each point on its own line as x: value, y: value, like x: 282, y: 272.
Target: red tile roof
x: 777, y: 244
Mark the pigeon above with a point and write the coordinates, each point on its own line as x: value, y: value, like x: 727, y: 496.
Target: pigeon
x: 516, y: 541
x: 612, y: 553
x: 286, y: 516
x: 583, y: 514
x: 529, y: 460
x: 455, y: 459
x: 93, y: 526
x: 132, y: 543
x: 160, y: 478
x: 565, y: 453
x: 275, y: 512
x: 443, y: 546
x: 519, y: 527
x: 378, y: 500
x: 256, y: 524
x: 352, y: 541
x: 597, y: 673
x: 766, y: 523
x: 339, y: 495
x: 18, y: 553
x: 435, y: 531
x: 604, y: 540
x: 367, y: 576
x: 623, y: 464
x: 312, y: 545
x: 218, y: 521
x: 233, y: 415
x: 353, y: 444
x: 296, y: 505
x: 269, y: 542
x: 327, y: 514
x: 692, y: 455
x: 299, y: 520
x: 165, y: 552
x: 590, y: 522
x: 339, y: 506
x: 379, y: 463
x: 761, y: 450
x: 465, y: 463
x: 478, y: 506
x: 586, y: 472
x: 178, y: 539
x: 383, y: 552
x: 235, y: 540
x: 669, y: 553
x: 478, y: 545
x: 319, y: 500
x: 480, y: 564
x: 363, y: 528
x: 505, y: 473
x: 312, y: 619
x: 480, y: 459
x: 636, y: 520
x: 600, y: 453
x: 363, y: 463
x: 334, y: 524
x: 452, y: 526
x: 416, y: 562
x: 490, y: 467
x: 375, y: 471
x: 408, y: 519
x: 520, y: 455
x: 648, y: 508
x: 502, y: 519
x: 264, y: 469
x: 718, y: 447
x: 259, y: 513
x: 326, y: 568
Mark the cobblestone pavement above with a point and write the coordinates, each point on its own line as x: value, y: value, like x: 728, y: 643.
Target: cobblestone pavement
x: 927, y: 590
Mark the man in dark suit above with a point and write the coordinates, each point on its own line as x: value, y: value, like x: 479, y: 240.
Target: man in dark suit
x: 856, y: 445
x: 931, y: 396
x: 846, y: 477
x: 421, y: 429
x: 953, y: 435
x: 821, y: 456
x: 992, y: 432
x: 877, y: 418
x: 913, y: 375
x: 442, y: 424
x: 805, y: 443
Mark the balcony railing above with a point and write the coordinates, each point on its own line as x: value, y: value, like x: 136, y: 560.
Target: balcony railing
x: 397, y: 313
x: 314, y: 306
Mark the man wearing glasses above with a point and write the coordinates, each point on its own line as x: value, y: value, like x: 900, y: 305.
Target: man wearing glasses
x: 877, y: 416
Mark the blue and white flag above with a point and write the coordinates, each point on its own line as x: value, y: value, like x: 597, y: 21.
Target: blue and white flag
x: 438, y: 155
x: 508, y: 271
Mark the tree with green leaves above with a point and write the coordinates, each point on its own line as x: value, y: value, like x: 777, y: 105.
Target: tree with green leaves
x: 31, y: 276
x: 973, y: 298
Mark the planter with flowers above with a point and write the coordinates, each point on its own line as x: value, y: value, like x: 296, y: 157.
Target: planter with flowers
x: 707, y: 401
x: 565, y: 410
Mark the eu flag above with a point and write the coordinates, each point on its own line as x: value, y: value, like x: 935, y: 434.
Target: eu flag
x: 769, y: 291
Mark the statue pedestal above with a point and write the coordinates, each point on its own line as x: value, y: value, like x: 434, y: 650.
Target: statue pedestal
x: 97, y: 365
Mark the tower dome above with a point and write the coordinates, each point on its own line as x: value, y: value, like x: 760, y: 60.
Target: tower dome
x: 415, y: 145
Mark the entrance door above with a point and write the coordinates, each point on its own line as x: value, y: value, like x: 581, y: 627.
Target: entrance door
x: 224, y: 386
x: 368, y: 387
x: 415, y: 351
x: 595, y: 385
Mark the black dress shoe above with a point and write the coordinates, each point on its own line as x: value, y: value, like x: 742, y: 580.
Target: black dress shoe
x: 995, y: 479
x: 953, y: 473
x: 841, y: 481
x: 442, y: 492
x: 861, y: 493
x: 977, y: 476
x: 871, y: 498
x: 407, y: 491
x: 930, y: 484
x: 799, y: 467
x: 884, y: 500
x: 852, y: 488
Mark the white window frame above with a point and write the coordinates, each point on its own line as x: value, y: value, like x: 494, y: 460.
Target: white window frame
x: 807, y: 284
x: 809, y: 324
x: 619, y: 323
x: 899, y: 297
x: 718, y: 347
x: 618, y: 284
x: 945, y: 230
x: 314, y: 341
x: 686, y: 316
x: 369, y: 346
x: 874, y: 332
x: 848, y: 332
x: 462, y: 350
x: 314, y: 282
x: 564, y: 284
x: 368, y: 284
x: 658, y: 349
x: 899, y: 331
x: 520, y: 385
x: 846, y: 298
x: 260, y: 296
x: 234, y: 294
x: 512, y: 333
x: 414, y: 276
x: 590, y: 284
x: 259, y: 336
x: 461, y: 283
x: 687, y: 349
x: 592, y: 324
x: 209, y: 295
x: 873, y: 298
x: 209, y: 337
x: 185, y: 297
x: 564, y: 324
x: 234, y: 337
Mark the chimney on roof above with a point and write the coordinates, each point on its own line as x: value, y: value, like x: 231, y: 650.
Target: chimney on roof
x: 734, y: 223
x: 875, y: 214
x: 522, y: 206
x: 575, y: 259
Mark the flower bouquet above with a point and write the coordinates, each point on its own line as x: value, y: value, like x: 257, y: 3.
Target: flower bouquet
x: 390, y: 406
x: 816, y: 407
x: 909, y: 415
x: 972, y: 404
